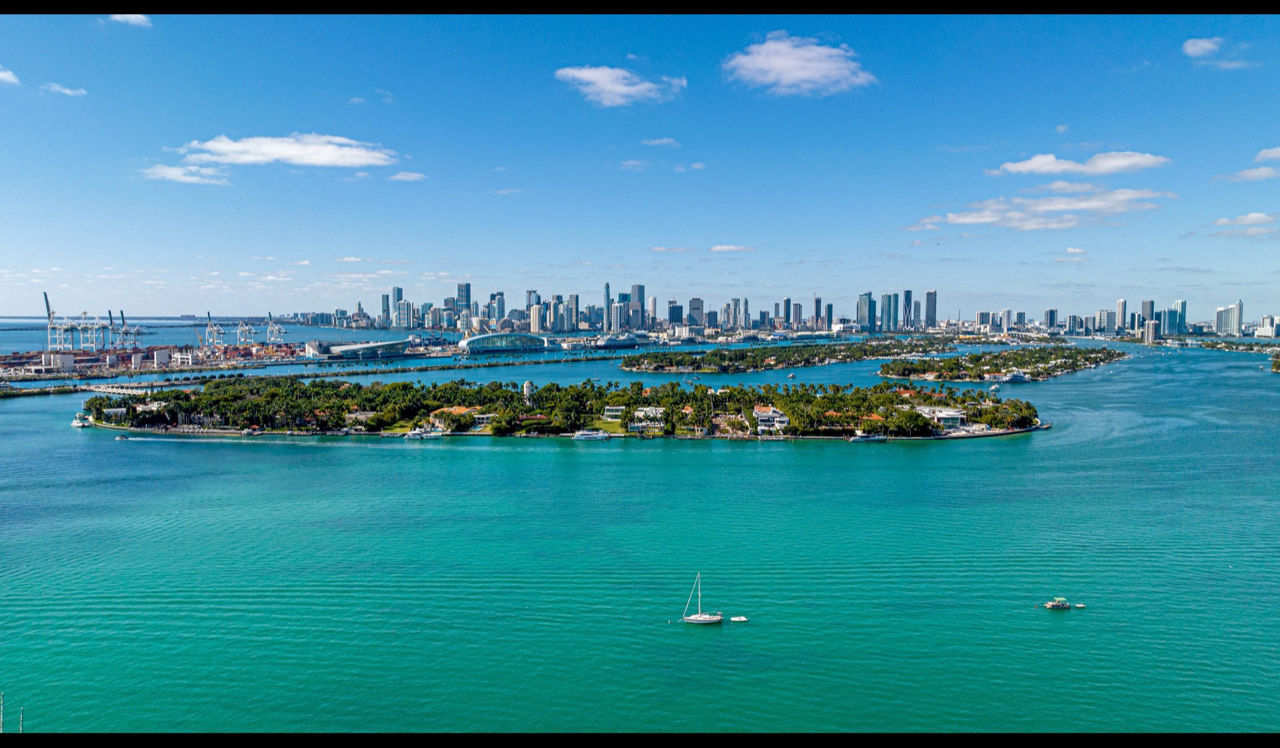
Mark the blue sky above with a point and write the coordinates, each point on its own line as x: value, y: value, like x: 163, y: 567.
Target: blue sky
x: 245, y: 164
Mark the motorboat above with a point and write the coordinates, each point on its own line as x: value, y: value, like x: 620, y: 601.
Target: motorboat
x: 422, y: 433
x: 80, y: 422
x: 739, y: 619
x: 1058, y: 603
x: 861, y: 438
x: 590, y: 435
x: 122, y: 438
x: 699, y: 617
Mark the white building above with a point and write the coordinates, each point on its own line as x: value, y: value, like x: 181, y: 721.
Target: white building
x: 769, y: 418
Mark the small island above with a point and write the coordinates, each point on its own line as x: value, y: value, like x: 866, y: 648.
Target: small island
x: 291, y: 406
x: 1028, y: 364
x: 770, y: 357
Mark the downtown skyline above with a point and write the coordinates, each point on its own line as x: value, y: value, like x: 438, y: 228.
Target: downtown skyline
x: 1029, y: 163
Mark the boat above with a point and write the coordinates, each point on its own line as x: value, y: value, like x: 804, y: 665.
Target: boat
x: 739, y: 619
x: 1018, y: 376
x: 422, y: 433
x: 1058, y: 603
x: 1079, y: 605
x: 861, y: 438
x: 590, y: 435
x: 80, y: 422
x: 792, y: 375
x: 122, y: 438
x: 699, y: 617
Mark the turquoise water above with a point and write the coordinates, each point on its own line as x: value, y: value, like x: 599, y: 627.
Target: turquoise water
x: 523, y: 584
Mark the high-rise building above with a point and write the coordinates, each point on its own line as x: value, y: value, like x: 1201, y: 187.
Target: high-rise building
x: 908, y: 321
x: 464, y: 295
x: 385, y: 319
x: 915, y: 314
x: 885, y: 304
x: 1050, y: 318
x: 1150, y: 331
x: 537, y: 318
x: 571, y: 312
x: 1006, y: 320
x: 1229, y: 320
x: 1181, y: 307
x: 1148, y: 310
x: 797, y: 312
x: 1122, y: 312
x: 675, y: 313
x: 746, y: 313
x: 397, y: 296
x: 866, y: 312
x: 500, y: 304
x: 786, y: 312
x: 712, y: 319
x: 617, y: 316
x: 817, y: 312
x: 696, y: 316
x: 828, y: 318
x: 637, y: 301
x: 608, y: 306
x: 653, y: 310
x: 930, y: 308
x: 777, y: 309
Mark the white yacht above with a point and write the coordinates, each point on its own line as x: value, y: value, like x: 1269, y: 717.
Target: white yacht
x: 699, y: 617
x: 590, y: 435
x: 80, y: 422
x: 423, y: 433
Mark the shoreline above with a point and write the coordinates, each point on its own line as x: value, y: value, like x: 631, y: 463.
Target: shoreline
x: 224, y: 433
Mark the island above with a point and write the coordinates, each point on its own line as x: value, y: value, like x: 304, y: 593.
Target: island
x: 769, y: 357
x: 1027, y: 364
x: 252, y: 406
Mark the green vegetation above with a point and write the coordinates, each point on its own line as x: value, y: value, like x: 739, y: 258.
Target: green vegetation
x: 1242, y: 346
x: 1037, y: 363
x: 292, y: 404
x: 761, y: 358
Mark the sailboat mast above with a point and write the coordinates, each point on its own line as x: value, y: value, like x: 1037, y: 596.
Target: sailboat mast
x: 699, y: 593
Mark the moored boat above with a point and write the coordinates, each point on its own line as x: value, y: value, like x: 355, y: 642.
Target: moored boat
x: 1058, y: 603
x: 590, y: 435
x: 699, y: 617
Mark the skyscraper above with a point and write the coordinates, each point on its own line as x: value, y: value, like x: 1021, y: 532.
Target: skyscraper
x: 637, y: 306
x: 608, y: 306
x: 786, y: 312
x: 908, y: 321
x: 866, y: 312
x: 531, y: 297
x: 571, y: 313
x: 652, y: 316
x: 885, y: 303
x: 537, y: 316
x: 817, y: 312
x: 397, y: 296
x: 1181, y: 307
x: 827, y: 326
x: 696, y: 316
x: 385, y: 319
x: 1050, y: 318
x: 1148, y: 310
x: 930, y: 308
x: 464, y: 295
x: 1122, y: 314
x: 915, y: 314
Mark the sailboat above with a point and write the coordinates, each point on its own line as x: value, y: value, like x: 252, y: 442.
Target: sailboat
x: 699, y: 617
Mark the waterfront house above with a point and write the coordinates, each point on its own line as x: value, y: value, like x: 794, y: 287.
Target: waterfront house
x: 769, y: 418
x: 613, y: 412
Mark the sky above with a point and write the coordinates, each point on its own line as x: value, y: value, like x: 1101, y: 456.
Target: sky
x: 240, y: 165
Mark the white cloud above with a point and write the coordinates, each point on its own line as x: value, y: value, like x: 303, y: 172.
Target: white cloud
x: 1253, y: 175
x: 407, y: 176
x: 1268, y: 154
x: 1075, y: 251
x: 795, y: 65
x: 1045, y: 213
x: 303, y: 262
x: 1201, y: 47
x: 186, y: 174
x: 299, y: 149
x: 133, y: 19
x: 633, y: 164
x: 695, y: 166
x: 1248, y: 219
x: 731, y: 248
x: 355, y: 100
x: 55, y: 88
x: 1064, y: 186
x: 350, y: 259
x: 610, y: 87
x: 672, y: 142
x: 1101, y: 163
x: 1227, y: 64
x: 673, y: 250
x: 8, y: 76
x: 1061, y: 128
x: 1249, y: 232
x: 507, y: 191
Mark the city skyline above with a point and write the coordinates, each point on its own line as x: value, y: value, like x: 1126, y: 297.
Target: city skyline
x: 325, y: 160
